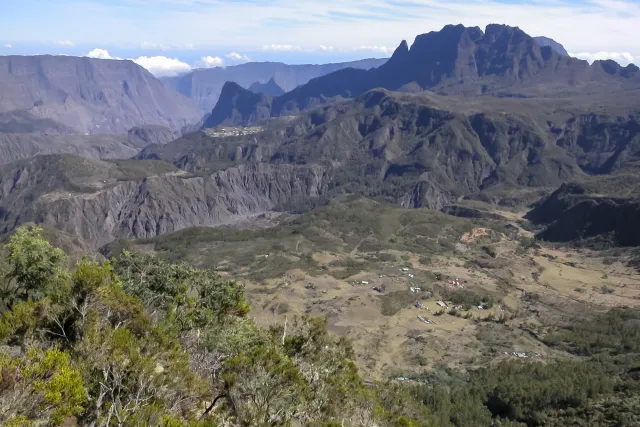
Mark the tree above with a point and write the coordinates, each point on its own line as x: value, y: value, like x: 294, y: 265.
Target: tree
x: 263, y: 387
x: 36, y: 266
x: 42, y: 386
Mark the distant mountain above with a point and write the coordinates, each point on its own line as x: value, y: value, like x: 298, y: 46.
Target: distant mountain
x: 85, y: 95
x: 417, y: 150
x: 270, y: 88
x: 557, y: 47
x: 502, y: 61
x: 426, y: 150
x: 204, y: 85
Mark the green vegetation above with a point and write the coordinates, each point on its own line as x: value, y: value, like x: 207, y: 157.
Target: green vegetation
x: 138, y: 341
x: 393, y: 302
x: 140, y: 169
x: 468, y: 299
x: 364, y: 230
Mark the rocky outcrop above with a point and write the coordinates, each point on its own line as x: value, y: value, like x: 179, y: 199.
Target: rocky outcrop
x: 420, y: 150
x: 91, y: 95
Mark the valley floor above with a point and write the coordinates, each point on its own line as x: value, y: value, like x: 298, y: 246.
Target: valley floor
x: 486, y: 295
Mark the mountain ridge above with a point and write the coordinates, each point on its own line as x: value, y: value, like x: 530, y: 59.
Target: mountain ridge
x: 204, y: 85
x: 501, y: 61
x: 88, y: 95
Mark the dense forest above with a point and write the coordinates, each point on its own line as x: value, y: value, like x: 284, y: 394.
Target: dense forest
x: 139, y: 341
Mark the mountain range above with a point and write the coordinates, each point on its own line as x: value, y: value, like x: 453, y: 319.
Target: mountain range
x: 204, y: 85
x: 88, y: 96
x: 501, y: 61
x: 463, y: 113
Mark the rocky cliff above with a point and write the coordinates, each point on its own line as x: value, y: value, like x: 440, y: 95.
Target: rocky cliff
x: 90, y: 95
x: 55, y: 191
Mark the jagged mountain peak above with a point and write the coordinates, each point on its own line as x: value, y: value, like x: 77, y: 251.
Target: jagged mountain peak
x: 270, y: 88
x: 502, y: 61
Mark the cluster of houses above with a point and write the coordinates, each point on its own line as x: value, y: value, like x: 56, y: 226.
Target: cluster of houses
x: 520, y: 354
x: 454, y: 283
x: 220, y: 132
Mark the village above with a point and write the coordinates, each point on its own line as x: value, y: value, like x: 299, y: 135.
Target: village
x: 223, y: 132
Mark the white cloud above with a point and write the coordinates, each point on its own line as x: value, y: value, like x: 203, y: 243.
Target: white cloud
x: 161, y: 66
x: 65, y: 43
x: 8, y: 46
x: 623, y: 58
x: 211, y: 61
x: 281, y: 48
x: 100, y: 54
x: 235, y: 56
x: 378, y: 49
x: 585, y: 26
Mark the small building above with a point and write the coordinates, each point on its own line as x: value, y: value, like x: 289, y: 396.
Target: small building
x: 441, y: 304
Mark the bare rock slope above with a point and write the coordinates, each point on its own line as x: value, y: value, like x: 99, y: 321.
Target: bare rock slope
x: 90, y: 95
x: 101, y: 201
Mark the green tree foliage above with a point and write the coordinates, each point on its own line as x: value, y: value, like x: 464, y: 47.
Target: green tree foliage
x: 36, y: 266
x: 39, y: 387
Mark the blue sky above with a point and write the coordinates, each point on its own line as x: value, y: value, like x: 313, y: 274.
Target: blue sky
x: 172, y: 36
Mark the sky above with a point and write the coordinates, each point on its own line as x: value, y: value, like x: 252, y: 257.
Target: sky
x: 169, y: 37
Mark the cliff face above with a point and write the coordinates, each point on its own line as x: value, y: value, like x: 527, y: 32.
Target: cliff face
x: 91, y: 95
x: 104, y: 209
